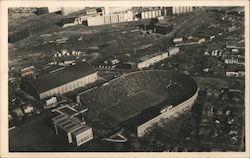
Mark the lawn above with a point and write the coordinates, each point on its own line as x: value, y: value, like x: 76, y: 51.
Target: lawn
x: 132, y: 105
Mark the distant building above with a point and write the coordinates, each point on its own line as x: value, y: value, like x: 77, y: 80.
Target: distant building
x: 69, y: 10
x: 61, y: 81
x: 235, y: 60
x: 27, y: 71
x: 51, y: 102
x: 207, y: 110
x: 28, y: 109
x: 235, y: 45
x: 54, y: 9
x: 72, y: 21
x: 110, y: 19
x: 46, y: 10
x: 188, y: 41
x: 178, y: 39
x: 148, y: 14
x: 235, y: 70
x: 163, y: 28
x: 115, y: 10
x: 181, y: 9
x: 91, y: 11
x: 151, y: 59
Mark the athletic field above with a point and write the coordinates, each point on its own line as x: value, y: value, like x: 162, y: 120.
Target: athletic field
x: 132, y: 105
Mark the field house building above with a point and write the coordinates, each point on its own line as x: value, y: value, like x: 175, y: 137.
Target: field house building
x: 61, y: 81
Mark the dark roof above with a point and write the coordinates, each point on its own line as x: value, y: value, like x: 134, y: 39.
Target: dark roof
x: 67, y: 20
x: 234, y: 68
x: 166, y: 25
x: 62, y: 77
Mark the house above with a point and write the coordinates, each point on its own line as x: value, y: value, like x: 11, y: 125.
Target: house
x: 28, y: 109
x: 235, y: 70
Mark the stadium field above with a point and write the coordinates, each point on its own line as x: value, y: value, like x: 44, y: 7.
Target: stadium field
x: 132, y: 105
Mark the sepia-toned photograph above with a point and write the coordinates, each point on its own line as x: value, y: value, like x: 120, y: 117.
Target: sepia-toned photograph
x: 126, y: 79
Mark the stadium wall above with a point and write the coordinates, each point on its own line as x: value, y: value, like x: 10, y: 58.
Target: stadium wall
x: 70, y: 86
x: 175, y: 111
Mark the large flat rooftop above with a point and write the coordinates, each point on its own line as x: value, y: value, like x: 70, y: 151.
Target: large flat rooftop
x: 61, y: 77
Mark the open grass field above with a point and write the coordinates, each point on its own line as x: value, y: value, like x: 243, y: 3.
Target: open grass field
x: 132, y: 105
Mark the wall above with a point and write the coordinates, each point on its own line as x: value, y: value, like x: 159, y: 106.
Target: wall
x: 152, y: 60
x: 110, y: 19
x: 182, y: 9
x: 84, y: 137
x: 175, y: 111
x: 150, y: 14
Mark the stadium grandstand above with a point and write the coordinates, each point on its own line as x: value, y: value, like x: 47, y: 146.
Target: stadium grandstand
x: 139, y: 99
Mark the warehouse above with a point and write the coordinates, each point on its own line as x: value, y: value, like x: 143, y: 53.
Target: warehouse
x: 61, y: 81
x: 110, y: 19
x: 151, y: 59
x: 181, y: 9
x: 150, y: 14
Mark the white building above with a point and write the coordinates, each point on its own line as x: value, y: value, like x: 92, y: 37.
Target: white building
x: 150, y: 14
x: 181, y: 9
x: 110, y: 19
x: 115, y: 10
x: 69, y: 10
x: 148, y: 60
x: 61, y: 81
x: 75, y: 129
x: 28, y: 109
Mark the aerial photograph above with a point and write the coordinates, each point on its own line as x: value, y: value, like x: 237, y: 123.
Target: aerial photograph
x: 126, y: 79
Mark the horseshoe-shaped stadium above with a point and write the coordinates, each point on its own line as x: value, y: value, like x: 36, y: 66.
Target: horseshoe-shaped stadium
x: 138, y: 100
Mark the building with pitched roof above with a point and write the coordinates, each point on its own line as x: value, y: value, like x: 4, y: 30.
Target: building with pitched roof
x: 61, y: 81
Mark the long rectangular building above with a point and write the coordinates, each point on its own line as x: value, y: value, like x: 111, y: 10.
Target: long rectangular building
x: 151, y: 59
x: 61, y: 81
